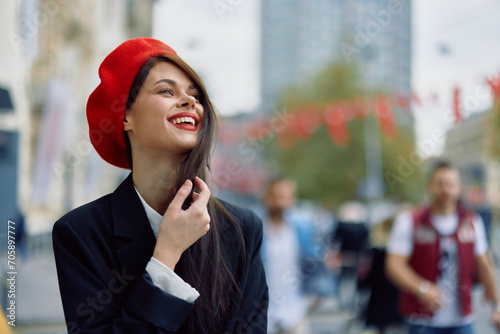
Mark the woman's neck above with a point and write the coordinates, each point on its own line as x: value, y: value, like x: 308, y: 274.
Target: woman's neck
x: 155, y: 181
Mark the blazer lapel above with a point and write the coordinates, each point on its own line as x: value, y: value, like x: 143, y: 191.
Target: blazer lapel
x: 134, y: 238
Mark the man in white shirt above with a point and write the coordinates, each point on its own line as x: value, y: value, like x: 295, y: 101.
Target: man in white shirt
x: 433, y: 256
x: 281, y: 250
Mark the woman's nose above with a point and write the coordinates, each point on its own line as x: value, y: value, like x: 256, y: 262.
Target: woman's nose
x: 187, y: 101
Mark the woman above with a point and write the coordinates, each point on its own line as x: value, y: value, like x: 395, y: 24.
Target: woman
x: 154, y: 256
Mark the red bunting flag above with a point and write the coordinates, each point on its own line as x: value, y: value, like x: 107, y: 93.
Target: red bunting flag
x: 402, y: 100
x: 336, y: 124
x: 385, y: 117
x: 305, y: 123
x: 359, y: 109
x: 494, y: 84
x: 415, y: 99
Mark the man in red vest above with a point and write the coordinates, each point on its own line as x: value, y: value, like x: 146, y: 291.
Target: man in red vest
x: 434, y: 255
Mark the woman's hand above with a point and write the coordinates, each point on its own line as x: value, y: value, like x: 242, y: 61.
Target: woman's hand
x: 179, y: 228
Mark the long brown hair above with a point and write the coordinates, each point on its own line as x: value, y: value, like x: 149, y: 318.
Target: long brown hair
x: 204, y: 265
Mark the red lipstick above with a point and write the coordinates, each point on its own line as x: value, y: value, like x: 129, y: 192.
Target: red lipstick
x: 184, y: 121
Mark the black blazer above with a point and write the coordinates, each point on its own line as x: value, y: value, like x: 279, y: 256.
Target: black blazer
x: 101, y: 251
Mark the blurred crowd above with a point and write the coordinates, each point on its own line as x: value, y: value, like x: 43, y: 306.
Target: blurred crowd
x: 313, y: 256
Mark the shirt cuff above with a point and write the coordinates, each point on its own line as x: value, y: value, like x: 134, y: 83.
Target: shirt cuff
x: 167, y: 280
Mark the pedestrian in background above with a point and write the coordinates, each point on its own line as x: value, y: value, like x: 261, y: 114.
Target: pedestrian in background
x: 434, y: 255
x: 382, y: 307
x: 288, y: 241
x: 351, y: 236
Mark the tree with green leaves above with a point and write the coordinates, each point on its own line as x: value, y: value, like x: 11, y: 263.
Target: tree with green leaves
x: 332, y: 169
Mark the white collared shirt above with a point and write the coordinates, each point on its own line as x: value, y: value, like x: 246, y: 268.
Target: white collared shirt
x: 287, y: 305
x: 162, y: 276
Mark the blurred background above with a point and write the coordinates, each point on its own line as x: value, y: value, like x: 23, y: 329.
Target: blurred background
x: 351, y: 99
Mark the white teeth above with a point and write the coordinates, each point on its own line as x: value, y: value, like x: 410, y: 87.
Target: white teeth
x: 180, y: 120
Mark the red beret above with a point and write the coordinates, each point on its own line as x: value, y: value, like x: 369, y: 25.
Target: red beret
x: 106, y: 104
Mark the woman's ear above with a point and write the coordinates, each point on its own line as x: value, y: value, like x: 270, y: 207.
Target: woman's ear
x: 126, y: 124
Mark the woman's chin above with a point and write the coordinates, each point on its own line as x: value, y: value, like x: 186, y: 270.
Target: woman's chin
x: 180, y: 149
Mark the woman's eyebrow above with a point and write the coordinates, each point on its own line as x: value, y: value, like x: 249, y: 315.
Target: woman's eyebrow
x: 173, y: 83
x: 169, y: 81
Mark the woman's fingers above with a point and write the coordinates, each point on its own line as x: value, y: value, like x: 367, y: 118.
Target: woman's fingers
x: 179, y: 228
x: 181, y: 195
x: 204, y: 195
x: 199, y: 206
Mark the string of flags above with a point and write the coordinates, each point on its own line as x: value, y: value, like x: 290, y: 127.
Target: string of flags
x: 494, y: 84
x: 336, y: 117
x: 305, y: 121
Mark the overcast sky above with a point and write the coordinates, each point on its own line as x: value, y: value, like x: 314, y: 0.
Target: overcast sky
x: 455, y: 42
x: 470, y: 30
x: 222, y: 46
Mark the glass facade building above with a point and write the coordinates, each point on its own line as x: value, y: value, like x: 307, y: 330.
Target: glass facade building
x: 300, y: 36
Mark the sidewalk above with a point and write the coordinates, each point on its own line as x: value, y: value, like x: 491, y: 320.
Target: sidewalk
x: 40, y: 310
x: 329, y: 319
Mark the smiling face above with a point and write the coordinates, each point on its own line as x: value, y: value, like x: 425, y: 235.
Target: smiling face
x: 166, y: 116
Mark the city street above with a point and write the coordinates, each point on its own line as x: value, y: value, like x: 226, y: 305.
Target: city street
x: 352, y: 129
x: 40, y: 309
